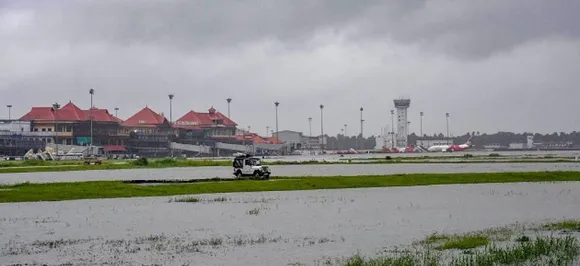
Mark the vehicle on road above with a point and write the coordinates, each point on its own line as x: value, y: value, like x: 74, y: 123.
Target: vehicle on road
x: 247, y: 165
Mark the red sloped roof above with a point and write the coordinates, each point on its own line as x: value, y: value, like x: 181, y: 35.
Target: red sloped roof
x: 189, y: 121
x: 68, y: 112
x: 39, y: 113
x: 144, y: 118
x: 100, y: 115
x: 194, y: 119
x: 274, y: 140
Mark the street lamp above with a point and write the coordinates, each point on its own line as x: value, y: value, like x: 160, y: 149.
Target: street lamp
x: 91, y: 92
x: 277, y: 135
x: 322, y: 127
x: 9, y: 107
x: 171, y: 119
x: 55, y: 107
x: 229, y: 100
x: 393, y: 128
x: 421, y: 126
x: 447, y: 122
x: 171, y: 107
x: 361, y: 128
x: 345, y: 130
x: 267, y: 130
x: 117, y: 112
x: 310, y: 125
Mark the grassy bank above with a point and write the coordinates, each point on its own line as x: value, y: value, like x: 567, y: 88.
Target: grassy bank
x: 547, y: 244
x: 118, y: 189
x: 64, y: 166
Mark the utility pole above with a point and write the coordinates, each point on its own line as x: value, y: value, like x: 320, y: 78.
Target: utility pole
x: 9, y: 115
x: 421, y: 126
x: 447, y: 122
x: 361, y: 129
x: 229, y: 100
x: 171, y: 120
x: 171, y: 108
x: 393, y: 128
x: 55, y: 107
x: 91, y: 92
x: 277, y: 131
x: 322, y: 127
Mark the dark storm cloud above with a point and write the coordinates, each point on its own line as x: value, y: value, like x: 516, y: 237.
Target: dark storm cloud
x: 463, y: 28
x: 491, y: 63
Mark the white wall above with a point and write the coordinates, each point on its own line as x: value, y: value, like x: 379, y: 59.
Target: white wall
x: 15, y: 126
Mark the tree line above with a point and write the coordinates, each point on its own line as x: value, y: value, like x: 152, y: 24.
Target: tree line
x: 341, y: 142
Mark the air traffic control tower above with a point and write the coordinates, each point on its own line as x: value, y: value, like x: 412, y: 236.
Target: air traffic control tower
x: 402, y: 126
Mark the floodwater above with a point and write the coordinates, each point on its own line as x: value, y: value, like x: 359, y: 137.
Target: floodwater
x: 283, y: 170
x: 267, y: 228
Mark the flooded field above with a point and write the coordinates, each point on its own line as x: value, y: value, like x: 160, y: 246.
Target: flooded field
x: 267, y: 228
x: 284, y: 170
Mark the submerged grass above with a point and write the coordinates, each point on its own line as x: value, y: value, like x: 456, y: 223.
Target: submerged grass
x: 118, y: 189
x: 569, y: 225
x: 478, y: 250
x: 464, y: 242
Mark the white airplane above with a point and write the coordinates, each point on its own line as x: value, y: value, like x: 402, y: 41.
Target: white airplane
x: 451, y: 148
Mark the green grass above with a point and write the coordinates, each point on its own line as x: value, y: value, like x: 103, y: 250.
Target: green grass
x: 464, y: 242
x: 118, y: 189
x: 564, y: 225
x: 29, y: 166
x: 478, y: 249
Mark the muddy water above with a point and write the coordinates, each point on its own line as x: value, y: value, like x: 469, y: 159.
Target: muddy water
x: 269, y: 228
x: 284, y: 170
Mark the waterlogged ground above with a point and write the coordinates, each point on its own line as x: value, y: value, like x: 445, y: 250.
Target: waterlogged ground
x: 267, y: 228
x: 284, y: 170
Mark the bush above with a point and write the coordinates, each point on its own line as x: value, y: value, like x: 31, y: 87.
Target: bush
x: 468, y: 155
x: 388, y: 157
x: 494, y: 155
x: 141, y: 162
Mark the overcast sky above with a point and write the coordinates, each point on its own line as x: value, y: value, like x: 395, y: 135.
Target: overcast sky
x: 492, y: 64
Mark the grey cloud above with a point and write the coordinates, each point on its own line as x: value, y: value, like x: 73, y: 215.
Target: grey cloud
x: 493, y: 64
x: 462, y: 28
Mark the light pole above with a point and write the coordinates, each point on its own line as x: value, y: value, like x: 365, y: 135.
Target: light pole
x: 55, y: 107
x: 393, y: 128
x: 91, y: 92
x: 345, y: 130
x: 9, y: 107
x: 171, y: 95
x: 277, y: 135
x: 447, y: 122
x: 171, y: 107
x: 421, y: 126
x: 267, y: 130
x: 117, y: 112
x: 310, y: 125
x: 361, y: 128
x: 322, y: 127
x: 229, y: 100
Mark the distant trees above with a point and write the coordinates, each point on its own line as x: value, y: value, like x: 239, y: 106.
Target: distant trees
x: 341, y: 142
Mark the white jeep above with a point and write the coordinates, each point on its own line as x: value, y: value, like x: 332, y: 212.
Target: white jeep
x: 247, y: 165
